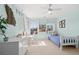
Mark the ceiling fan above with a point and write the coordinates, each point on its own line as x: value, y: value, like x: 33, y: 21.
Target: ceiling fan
x: 51, y: 9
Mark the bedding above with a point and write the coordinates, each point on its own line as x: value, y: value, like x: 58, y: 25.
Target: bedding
x: 54, y: 39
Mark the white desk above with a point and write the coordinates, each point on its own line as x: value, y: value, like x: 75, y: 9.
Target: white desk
x: 14, y: 46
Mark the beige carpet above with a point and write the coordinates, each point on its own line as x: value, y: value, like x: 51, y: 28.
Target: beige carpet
x: 46, y: 47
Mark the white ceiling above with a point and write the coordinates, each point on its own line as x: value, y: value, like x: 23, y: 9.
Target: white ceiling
x: 41, y: 10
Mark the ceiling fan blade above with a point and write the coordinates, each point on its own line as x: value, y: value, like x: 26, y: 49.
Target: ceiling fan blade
x: 45, y: 12
x: 44, y: 7
x: 56, y: 9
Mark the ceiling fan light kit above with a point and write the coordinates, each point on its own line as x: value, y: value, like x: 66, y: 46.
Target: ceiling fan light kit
x: 50, y: 12
x: 50, y: 9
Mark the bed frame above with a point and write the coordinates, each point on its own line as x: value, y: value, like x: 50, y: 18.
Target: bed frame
x: 68, y: 40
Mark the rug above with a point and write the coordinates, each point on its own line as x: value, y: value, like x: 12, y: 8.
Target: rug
x: 38, y: 43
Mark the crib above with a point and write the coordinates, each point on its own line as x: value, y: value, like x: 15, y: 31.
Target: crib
x: 68, y: 40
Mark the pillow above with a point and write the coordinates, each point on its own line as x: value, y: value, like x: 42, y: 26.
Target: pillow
x: 55, y: 33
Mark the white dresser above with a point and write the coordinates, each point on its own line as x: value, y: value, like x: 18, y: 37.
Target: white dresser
x: 14, y: 46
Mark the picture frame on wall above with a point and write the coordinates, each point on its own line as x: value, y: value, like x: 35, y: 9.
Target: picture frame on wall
x: 49, y: 28
x: 42, y: 27
x: 62, y: 24
x: 34, y: 31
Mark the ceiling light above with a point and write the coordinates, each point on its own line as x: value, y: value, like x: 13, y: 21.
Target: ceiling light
x: 50, y: 9
x: 50, y: 12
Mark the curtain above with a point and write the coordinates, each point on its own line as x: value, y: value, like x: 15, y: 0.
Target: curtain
x: 10, y: 16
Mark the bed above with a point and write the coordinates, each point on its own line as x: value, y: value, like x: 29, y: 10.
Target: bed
x: 68, y: 40
x: 61, y: 41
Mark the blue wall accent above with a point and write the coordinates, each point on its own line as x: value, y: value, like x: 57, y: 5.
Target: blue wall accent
x: 13, y: 30
x: 71, y: 25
